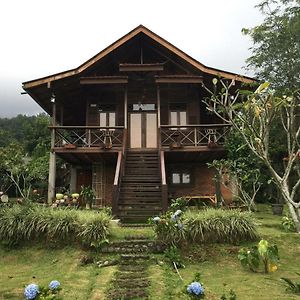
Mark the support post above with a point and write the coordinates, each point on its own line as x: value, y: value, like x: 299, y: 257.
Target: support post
x: 52, y: 159
x: 158, y: 105
x: 73, y: 180
x: 125, y: 107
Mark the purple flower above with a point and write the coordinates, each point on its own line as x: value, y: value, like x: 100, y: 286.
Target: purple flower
x: 31, y: 291
x: 54, y: 285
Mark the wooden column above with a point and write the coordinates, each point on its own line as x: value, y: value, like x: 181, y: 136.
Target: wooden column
x: 158, y: 105
x: 158, y: 117
x: 73, y: 180
x: 52, y: 159
x: 125, y: 107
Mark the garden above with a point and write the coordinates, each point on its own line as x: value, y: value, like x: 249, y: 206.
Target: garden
x: 210, y: 254
x: 62, y: 251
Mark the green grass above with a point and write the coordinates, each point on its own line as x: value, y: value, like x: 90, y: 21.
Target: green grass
x: 217, y: 264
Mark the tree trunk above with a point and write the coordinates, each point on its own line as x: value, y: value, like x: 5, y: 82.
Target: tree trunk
x: 294, y: 214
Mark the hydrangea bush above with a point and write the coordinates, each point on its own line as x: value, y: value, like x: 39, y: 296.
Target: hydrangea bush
x: 34, y: 292
x: 195, y: 290
x: 170, y: 228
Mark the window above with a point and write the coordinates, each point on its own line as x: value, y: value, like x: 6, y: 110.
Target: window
x: 107, y: 115
x: 181, y: 177
x: 143, y: 107
x: 178, y: 115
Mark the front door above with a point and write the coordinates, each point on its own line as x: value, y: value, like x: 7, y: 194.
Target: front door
x: 143, y: 130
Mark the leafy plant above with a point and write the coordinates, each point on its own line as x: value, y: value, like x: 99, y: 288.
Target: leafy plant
x: 173, y: 254
x: 29, y: 222
x: 88, y: 194
x: 178, y: 203
x: 170, y: 228
x: 231, y: 295
x: 195, y: 290
x: 218, y: 225
x: 262, y: 253
x: 291, y: 286
x: 287, y: 223
x: 35, y: 292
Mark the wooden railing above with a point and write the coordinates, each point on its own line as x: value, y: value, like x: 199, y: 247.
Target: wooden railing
x: 88, y: 136
x: 164, y: 186
x: 120, y: 170
x: 193, y: 135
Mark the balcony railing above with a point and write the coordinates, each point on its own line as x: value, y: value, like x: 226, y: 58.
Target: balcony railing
x: 211, y: 135
x: 88, y: 136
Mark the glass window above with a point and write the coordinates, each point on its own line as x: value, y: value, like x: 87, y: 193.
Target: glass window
x: 143, y: 107
x: 186, y: 178
x: 181, y: 177
x: 175, y: 178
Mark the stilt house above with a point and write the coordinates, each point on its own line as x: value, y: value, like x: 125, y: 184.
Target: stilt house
x: 132, y: 124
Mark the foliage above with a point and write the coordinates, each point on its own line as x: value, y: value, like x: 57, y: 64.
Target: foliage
x: 253, y: 120
x: 287, y: 223
x: 246, y: 180
x: 173, y: 254
x: 178, y: 203
x: 35, y: 292
x: 88, y: 194
x: 231, y: 295
x: 263, y: 252
x: 95, y: 228
x: 276, y: 45
x: 31, y: 133
x: 218, y: 225
x: 195, y: 290
x: 291, y: 286
x: 169, y: 228
x: 209, y: 225
x: 30, y: 222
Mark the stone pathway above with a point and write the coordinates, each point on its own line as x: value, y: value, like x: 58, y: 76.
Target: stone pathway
x: 131, y: 278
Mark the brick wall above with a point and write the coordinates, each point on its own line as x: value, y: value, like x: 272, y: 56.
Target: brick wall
x: 202, y: 183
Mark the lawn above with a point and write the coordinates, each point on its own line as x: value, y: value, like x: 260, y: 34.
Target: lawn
x: 217, y: 264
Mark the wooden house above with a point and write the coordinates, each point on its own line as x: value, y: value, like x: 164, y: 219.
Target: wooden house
x: 132, y: 124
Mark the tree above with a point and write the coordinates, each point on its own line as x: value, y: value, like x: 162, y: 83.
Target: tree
x: 276, y: 45
x: 22, y: 171
x: 253, y: 118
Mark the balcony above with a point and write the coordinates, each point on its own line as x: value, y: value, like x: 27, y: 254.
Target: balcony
x: 72, y: 137
x: 193, y: 136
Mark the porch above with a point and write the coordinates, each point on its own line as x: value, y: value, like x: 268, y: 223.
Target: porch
x: 201, y: 137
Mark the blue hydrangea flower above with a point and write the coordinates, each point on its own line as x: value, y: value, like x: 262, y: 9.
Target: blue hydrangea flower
x: 174, y: 217
x: 195, y: 288
x: 156, y: 219
x: 54, y: 285
x: 179, y: 225
x: 178, y: 212
x: 31, y: 291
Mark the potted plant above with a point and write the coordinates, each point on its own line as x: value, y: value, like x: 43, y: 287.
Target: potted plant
x: 88, y: 196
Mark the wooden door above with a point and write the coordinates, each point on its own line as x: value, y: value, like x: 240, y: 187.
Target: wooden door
x: 143, y: 130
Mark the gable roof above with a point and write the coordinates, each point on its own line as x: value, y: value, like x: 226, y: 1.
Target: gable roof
x: 123, y: 40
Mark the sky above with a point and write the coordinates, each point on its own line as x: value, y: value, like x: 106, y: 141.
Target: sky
x: 43, y: 37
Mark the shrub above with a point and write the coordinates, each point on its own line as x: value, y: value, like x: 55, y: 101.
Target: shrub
x: 263, y: 252
x: 217, y: 225
x: 209, y: 225
x: 94, y: 229
x: 288, y: 224
x: 170, y: 228
x: 19, y: 223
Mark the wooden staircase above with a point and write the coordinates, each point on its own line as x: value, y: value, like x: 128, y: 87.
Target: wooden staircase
x: 140, y: 193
